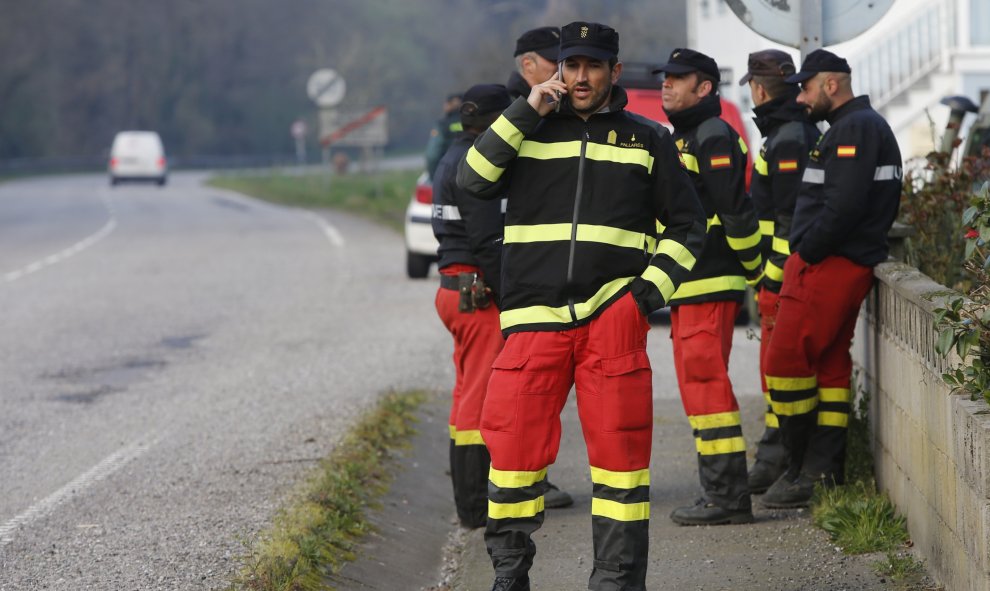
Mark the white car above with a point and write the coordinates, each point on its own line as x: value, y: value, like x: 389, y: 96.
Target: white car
x: 421, y: 244
x: 137, y: 156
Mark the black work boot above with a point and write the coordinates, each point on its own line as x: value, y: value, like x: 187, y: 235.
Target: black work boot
x: 511, y: 584
x: 705, y: 512
x: 555, y: 498
x: 790, y: 492
x: 762, y: 476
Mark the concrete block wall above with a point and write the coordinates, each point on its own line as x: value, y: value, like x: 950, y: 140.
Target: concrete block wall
x: 932, y: 448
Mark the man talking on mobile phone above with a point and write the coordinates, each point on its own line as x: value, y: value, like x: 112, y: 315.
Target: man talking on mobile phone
x: 582, y: 266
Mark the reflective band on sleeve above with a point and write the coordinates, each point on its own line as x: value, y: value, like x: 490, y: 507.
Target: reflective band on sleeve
x: 690, y: 162
x: 815, y: 176
x: 717, y: 447
x: 714, y: 421
x: 744, y: 243
x: 515, y: 510
x: 509, y: 133
x: 482, y: 166
x: 620, y: 511
x: 625, y: 480
x: 773, y: 272
x: 448, y: 212
x: 835, y: 394
x: 781, y: 246
x: 887, y: 173
x: 792, y: 384
x: 689, y: 289
x: 760, y: 165
x: 790, y: 409
x: 515, y: 479
x: 766, y: 227
x: 743, y: 146
x: 657, y: 277
x: 771, y: 420
x: 677, y: 251
x: 753, y: 264
x: 713, y: 221
x: 470, y: 437
x: 833, y: 419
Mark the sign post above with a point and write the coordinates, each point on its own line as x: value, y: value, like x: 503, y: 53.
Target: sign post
x: 298, y: 132
x: 326, y: 88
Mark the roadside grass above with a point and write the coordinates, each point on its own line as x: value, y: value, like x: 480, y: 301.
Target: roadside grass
x: 312, y: 537
x: 381, y: 197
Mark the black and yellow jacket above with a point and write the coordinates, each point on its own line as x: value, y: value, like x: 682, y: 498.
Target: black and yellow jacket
x: 715, y: 157
x: 788, y: 138
x: 583, y: 200
x: 851, y: 189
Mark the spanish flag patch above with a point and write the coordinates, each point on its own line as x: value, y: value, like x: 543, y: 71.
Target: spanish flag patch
x: 721, y: 161
x: 787, y: 165
x: 846, y: 151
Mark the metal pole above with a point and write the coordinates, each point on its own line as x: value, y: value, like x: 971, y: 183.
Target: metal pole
x: 811, y: 26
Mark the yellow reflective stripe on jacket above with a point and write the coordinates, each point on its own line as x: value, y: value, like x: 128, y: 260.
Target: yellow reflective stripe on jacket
x: 515, y: 510
x: 835, y: 394
x: 468, y: 437
x: 714, y: 421
x: 780, y: 245
x: 620, y: 511
x: 585, y: 233
x: 690, y: 162
x: 561, y: 314
x: 515, y: 479
x: 827, y: 418
x: 773, y: 272
x: 753, y: 264
x: 592, y: 151
x: 713, y: 221
x: 743, y: 146
x: 456, y: 126
x: 760, y: 165
x: 509, y: 133
x: 659, y: 278
x: 798, y: 407
x: 792, y: 384
x: 689, y: 289
x: 744, y: 243
x: 677, y: 251
x: 485, y: 169
x: 729, y: 445
x: 624, y: 480
x: 766, y: 227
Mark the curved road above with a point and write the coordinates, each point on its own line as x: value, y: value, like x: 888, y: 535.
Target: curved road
x: 171, y: 360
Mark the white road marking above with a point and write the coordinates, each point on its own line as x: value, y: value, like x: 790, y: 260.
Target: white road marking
x: 73, y: 250
x: 105, y: 468
x: 332, y: 234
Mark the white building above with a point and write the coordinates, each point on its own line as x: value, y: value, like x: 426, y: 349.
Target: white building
x: 919, y: 52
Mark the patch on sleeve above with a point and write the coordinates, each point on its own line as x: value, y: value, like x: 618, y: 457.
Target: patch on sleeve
x: 787, y: 165
x: 845, y: 151
x: 722, y: 161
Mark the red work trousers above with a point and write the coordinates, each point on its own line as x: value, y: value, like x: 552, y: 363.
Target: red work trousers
x: 477, y: 342
x: 808, y: 365
x: 702, y: 340
x: 606, y: 361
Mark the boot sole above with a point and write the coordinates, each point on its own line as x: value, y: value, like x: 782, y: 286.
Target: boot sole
x: 785, y: 504
x: 733, y: 520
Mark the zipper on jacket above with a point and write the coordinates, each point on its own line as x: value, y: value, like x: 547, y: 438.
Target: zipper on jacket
x: 574, y: 223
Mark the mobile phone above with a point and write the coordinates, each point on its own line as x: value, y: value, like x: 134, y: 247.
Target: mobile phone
x: 560, y: 78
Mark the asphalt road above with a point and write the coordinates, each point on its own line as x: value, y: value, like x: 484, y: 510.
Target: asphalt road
x: 171, y: 361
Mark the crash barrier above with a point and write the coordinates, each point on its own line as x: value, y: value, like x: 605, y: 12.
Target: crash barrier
x: 931, y: 447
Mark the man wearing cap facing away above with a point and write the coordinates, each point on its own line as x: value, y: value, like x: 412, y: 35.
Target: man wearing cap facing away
x: 469, y: 231
x: 536, y: 59
x: 582, y: 266
x: 705, y: 306
x: 848, y: 200
x: 788, y: 138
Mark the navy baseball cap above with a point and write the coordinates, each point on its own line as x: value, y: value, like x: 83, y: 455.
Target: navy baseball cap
x: 545, y: 41
x: 594, y: 40
x: 819, y: 61
x: 685, y: 61
x: 482, y: 99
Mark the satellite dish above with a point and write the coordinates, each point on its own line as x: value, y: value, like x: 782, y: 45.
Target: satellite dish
x: 326, y: 88
x: 780, y: 20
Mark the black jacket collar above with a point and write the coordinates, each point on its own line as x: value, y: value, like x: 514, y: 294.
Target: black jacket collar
x: 691, y: 117
x: 776, y: 112
x: 857, y: 104
x: 517, y: 85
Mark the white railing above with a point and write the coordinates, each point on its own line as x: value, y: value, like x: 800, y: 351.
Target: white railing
x: 921, y: 45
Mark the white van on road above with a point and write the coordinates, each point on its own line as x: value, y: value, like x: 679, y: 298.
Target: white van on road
x: 137, y: 156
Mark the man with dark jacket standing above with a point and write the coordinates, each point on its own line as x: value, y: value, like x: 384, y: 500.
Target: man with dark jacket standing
x: 536, y: 59
x: 469, y: 231
x: 443, y: 133
x: 582, y: 266
x: 788, y: 137
x: 705, y: 306
x: 848, y: 201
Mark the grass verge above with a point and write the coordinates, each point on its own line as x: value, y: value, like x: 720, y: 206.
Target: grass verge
x: 379, y: 196
x: 312, y: 537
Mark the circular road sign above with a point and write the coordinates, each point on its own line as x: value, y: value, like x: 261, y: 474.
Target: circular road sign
x: 780, y: 20
x: 326, y: 88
